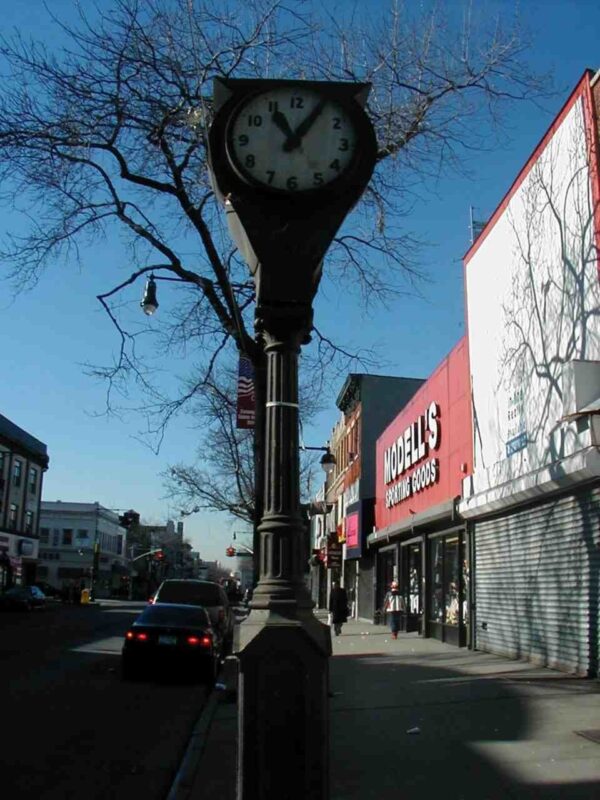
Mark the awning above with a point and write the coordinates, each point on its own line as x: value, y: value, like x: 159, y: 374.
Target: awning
x: 445, y: 510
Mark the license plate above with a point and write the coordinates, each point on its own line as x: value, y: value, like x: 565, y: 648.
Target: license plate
x: 167, y: 640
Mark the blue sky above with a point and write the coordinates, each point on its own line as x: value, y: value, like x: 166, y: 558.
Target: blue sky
x: 50, y: 332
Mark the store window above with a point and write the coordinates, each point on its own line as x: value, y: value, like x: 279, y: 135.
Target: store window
x: 437, y: 580
x: 445, y: 581
x: 451, y: 582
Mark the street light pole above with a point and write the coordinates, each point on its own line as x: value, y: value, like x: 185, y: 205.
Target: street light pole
x: 283, y: 649
x: 95, y: 555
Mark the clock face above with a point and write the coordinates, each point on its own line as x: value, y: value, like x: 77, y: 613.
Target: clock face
x: 291, y: 140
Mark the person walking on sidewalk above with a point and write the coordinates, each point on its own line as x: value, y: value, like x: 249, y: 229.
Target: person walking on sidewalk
x: 393, y: 606
x: 338, y: 607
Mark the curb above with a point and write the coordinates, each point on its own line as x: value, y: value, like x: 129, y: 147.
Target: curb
x: 184, y: 779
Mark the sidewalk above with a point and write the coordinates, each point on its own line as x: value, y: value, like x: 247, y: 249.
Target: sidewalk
x: 417, y: 718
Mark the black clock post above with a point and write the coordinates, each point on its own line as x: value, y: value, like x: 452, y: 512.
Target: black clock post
x: 283, y: 225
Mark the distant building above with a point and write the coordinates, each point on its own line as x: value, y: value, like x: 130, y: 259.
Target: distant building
x: 68, y: 534
x: 368, y: 403
x: 23, y: 461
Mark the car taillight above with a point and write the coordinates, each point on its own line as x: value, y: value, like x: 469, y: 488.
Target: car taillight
x: 129, y: 635
x: 199, y: 641
x: 141, y: 637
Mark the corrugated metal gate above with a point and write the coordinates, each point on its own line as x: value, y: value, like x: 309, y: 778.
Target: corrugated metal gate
x: 537, y: 574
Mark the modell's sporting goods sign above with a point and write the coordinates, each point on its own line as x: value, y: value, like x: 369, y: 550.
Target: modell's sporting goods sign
x: 413, y: 449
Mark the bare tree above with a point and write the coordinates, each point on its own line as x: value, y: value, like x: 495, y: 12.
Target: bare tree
x: 109, y: 134
x: 223, y: 476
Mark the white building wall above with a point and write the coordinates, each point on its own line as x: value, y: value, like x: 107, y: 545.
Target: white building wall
x: 533, y: 296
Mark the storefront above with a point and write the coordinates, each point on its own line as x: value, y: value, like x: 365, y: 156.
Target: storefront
x: 419, y: 538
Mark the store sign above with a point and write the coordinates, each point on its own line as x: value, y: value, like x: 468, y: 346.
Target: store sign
x: 334, y: 556
x: 352, y: 530
x: 25, y: 547
x: 412, y: 449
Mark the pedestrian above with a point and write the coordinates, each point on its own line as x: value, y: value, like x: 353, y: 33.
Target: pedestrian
x: 393, y: 606
x: 338, y: 607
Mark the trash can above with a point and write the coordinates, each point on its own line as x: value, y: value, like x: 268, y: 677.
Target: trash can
x: 85, y: 595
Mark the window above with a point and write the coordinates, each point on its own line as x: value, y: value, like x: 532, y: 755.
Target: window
x: 82, y: 533
x: 2, y: 454
x: 67, y: 536
x: 44, y: 535
x: 55, y: 537
x: 29, y: 522
x: 17, y: 471
x: 12, y: 517
x: 32, y: 480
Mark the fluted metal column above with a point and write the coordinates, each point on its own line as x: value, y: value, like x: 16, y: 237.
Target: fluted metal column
x: 282, y: 648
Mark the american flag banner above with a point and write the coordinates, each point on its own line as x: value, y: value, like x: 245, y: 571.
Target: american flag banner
x: 245, y: 393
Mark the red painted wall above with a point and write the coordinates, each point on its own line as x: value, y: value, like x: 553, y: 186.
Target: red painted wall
x: 448, y: 387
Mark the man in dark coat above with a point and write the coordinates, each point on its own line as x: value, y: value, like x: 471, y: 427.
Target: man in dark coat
x: 338, y: 607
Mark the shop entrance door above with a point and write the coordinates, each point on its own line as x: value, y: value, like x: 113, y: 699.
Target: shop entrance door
x: 412, y: 584
x: 386, y: 573
x: 448, y: 588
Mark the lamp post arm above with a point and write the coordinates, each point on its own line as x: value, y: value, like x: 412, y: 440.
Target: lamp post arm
x: 147, y: 553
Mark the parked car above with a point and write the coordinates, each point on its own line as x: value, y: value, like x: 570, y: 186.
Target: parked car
x: 207, y: 594
x: 22, y: 598
x: 169, y: 637
x: 48, y: 589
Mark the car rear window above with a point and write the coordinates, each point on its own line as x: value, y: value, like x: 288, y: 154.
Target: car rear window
x: 197, y: 594
x: 173, y: 615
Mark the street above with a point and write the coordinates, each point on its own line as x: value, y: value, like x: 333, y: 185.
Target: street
x: 70, y: 727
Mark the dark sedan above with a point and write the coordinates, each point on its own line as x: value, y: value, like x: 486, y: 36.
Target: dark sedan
x: 22, y: 598
x: 174, y: 640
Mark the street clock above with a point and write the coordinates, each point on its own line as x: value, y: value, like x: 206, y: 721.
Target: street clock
x: 291, y: 139
x: 288, y: 159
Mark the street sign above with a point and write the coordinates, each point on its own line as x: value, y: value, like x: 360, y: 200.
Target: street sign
x: 334, y: 556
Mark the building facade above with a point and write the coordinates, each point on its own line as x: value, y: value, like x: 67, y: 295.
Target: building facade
x: 23, y: 461
x: 419, y: 538
x: 367, y: 404
x: 70, y: 533
x: 533, y: 498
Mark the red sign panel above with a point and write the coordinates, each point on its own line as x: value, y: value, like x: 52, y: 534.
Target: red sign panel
x: 424, y: 454
x: 352, y: 530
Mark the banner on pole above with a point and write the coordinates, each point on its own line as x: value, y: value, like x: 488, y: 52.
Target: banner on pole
x: 245, y: 393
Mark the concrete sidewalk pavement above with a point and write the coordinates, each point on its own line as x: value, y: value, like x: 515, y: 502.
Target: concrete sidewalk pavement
x: 415, y: 717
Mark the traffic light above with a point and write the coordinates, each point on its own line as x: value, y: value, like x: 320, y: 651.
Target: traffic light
x: 230, y: 551
x: 130, y: 519
x: 159, y: 555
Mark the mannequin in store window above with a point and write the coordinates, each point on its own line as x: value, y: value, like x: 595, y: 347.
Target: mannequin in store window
x: 393, y: 606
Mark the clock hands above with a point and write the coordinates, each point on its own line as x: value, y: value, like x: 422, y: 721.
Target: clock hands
x: 281, y: 122
x: 295, y: 140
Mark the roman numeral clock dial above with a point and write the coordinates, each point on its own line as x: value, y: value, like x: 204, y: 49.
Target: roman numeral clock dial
x: 291, y: 140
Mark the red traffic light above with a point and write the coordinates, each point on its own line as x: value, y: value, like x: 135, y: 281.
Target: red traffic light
x: 230, y: 551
